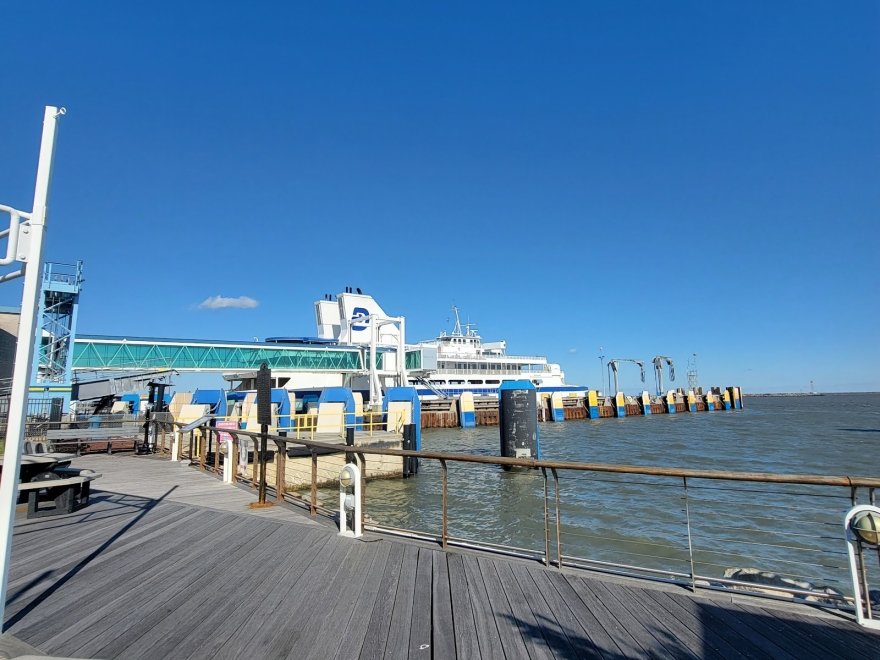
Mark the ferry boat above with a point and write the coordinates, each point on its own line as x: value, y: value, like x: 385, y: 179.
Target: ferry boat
x: 439, y: 368
x: 464, y: 363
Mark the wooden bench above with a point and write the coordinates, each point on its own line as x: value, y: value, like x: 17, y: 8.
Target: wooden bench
x: 82, y: 437
x: 69, y: 491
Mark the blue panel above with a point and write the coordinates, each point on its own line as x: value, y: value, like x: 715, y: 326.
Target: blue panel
x: 468, y: 420
x: 594, y: 412
x: 214, y: 398
x: 342, y: 395
x: 135, y: 400
x: 280, y: 397
x: 517, y: 385
x: 410, y: 395
x: 621, y: 411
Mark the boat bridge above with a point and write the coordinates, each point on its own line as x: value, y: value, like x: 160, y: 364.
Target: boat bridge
x: 106, y: 353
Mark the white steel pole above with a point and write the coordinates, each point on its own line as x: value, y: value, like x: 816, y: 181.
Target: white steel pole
x: 32, y: 237
x: 401, y: 352
x: 374, y: 377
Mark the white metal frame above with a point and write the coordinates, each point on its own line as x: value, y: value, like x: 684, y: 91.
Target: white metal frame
x: 376, y: 322
x: 355, y: 494
x: 863, y: 601
x: 25, y: 245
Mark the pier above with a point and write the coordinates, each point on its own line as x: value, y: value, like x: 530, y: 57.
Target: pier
x: 170, y: 562
x: 588, y: 404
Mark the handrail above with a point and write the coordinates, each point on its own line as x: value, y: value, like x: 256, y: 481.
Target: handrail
x: 689, y: 473
x: 714, y: 543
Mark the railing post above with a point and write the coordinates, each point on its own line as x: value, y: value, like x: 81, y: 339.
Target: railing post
x: 215, y: 443
x: 363, y: 465
x: 264, y: 432
x: 546, y: 521
x: 687, y: 514
x: 349, y: 442
x: 444, y: 531
x: 279, y: 469
x: 233, y: 458
x: 313, y: 499
x: 203, y: 447
x: 558, y: 524
x: 162, y: 428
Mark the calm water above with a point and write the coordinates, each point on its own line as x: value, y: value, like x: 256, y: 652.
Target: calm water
x: 793, y: 530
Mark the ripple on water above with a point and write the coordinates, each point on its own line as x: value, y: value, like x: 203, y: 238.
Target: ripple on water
x: 629, y: 518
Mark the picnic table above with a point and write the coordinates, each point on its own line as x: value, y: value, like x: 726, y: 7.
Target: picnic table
x: 34, y: 464
x: 50, y: 474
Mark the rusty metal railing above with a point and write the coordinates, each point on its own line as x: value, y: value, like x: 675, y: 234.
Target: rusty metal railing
x: 796, y: 516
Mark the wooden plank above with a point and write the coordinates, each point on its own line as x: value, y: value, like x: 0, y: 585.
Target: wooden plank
x: 867, y: 640
x: 25, y: 590
x: 269, y: 613
x: 642, y: 635
x: 352, y: 641
x: 569, y: 625
x: 178, y: 638
x: 677, y: 640
x: 224, y: 616
x: 397, y: 645
x: 57, y: 561
x: 376, y: 633
x: 34, y: 544
x: 466, y: 644
x: 111, y: 580
x: 319, y: 629
x: 158, y: 624
x: 505, y: 618
x: 233, y: 638
x: 311, y: 588
x: 136, y: 619
x: 721, y: 635
x: 845, y: 640
x: 619, y: 632
x: 488, y: 635
x: 533, y: 631
x: 561, y: 630
x: 442, y: 624
x: 420, y: 625
x: 796, y: 635
x: 606, y: 641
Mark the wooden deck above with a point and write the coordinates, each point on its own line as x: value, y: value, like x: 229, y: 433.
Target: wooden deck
x: 170, y: 563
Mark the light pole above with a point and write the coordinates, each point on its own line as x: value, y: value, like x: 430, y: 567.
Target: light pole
x: 601, y: 366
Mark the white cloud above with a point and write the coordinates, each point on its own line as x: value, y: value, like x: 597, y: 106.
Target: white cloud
x: 572, y: 350
x: 222, y: 302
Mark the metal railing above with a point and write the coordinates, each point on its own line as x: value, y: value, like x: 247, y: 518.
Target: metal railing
x: 605, y: 517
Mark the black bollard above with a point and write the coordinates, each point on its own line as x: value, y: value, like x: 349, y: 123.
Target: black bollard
x: 518, y: 420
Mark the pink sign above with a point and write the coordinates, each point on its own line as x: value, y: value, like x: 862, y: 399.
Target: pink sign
x: 225, y: 424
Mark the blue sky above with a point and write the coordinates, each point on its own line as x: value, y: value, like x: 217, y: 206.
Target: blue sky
x: 671, y: 178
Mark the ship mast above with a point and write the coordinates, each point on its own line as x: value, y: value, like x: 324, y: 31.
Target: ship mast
x: 456, y: 331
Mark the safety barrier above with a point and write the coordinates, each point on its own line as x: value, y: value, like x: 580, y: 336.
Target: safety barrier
x: 779, y: 535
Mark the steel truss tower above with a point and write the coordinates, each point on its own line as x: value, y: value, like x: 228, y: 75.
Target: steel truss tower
x: 59, y: 304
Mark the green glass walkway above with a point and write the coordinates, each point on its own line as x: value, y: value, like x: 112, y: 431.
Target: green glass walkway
x: 104, y: 353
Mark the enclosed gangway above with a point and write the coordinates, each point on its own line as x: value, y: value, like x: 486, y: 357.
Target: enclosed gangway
x: 105, y: 353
